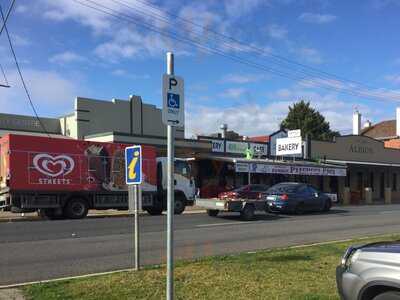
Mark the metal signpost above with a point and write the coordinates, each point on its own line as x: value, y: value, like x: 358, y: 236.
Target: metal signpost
x: 172, y: 116
x: 133, y: 176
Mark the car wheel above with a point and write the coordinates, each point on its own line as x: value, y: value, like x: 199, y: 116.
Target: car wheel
x: 247, y: 212
x: 212, y: 212
x: 179, y: 206
x: 299, y: 210
x: 390, y: 295
x: 327, y: 206
x: 76, y: 208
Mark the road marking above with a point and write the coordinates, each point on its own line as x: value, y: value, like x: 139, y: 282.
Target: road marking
x: 389, y: 212
x: 63, y: 278
x: 229, y: 223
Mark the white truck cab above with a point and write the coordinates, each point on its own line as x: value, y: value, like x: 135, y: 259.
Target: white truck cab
x: 185, y: 189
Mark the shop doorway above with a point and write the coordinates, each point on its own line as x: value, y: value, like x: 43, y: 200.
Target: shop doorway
x: 382, y: 186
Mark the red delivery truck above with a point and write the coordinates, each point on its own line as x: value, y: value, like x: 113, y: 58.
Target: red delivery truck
x: 61, y: 177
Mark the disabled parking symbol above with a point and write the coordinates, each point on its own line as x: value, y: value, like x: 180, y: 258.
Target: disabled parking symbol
x: 173, y: 100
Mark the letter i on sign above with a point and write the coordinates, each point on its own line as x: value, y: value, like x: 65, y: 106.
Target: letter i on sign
x: 133, y: 165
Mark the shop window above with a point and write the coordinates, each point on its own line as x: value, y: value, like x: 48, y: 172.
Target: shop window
x: 359, y: 181
x: 371, y: 181
x: 333, y: 184
x: 321, y: 183
x: 382, y: 185
x: 394, y: 183
x: 348, y: 179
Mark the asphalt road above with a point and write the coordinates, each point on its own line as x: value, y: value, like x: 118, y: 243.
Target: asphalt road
x: 40, y: 250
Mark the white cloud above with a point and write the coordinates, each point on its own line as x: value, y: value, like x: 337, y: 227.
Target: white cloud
x: 233, y: 93
x: 238, y: 8
x: 317, y: 18
x: 51, y: 93
x: 393, y: 78
x: 242, y: 78
x: 124, y: 73
x: 66, y: 58
x: 21, y: 9
x: 379, y: 4
x: 129, y: 43
x: 262, y: 119
x: 310, y: 55
x: 19, y: 40
x: 276, y: 31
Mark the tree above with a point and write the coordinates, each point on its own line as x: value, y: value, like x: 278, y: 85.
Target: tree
x: 302, y: 116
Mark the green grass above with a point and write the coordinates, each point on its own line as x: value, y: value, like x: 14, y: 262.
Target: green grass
x: 293, y: 273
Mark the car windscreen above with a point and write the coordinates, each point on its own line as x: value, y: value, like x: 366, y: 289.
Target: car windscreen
x: 283, y: 189
x: 242, y: 188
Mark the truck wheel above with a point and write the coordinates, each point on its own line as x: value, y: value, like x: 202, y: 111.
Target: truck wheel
x: 154, y: 211
x: 180, y: 204
x: 247, y: 212
x: 212, y: 212
x: 76, y: 208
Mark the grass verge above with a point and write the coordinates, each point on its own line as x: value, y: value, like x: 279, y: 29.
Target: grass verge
x: 291, y: 273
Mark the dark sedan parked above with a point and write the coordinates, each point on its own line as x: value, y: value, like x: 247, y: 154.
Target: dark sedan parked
x: 294, y: 197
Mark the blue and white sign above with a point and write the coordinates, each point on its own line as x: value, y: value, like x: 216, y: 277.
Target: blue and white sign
x: 173, y: 101
x: 133, y: 165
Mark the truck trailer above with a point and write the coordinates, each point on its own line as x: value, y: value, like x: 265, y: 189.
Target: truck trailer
x: 64, y: 178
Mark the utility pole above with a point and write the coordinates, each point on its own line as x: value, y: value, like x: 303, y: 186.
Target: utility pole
x: 170, y: 194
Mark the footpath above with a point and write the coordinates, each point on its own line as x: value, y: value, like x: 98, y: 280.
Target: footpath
x: 13, y: 217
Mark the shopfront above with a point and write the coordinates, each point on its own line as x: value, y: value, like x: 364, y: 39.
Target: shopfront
x: 215, y: 174
x: 373, y: 170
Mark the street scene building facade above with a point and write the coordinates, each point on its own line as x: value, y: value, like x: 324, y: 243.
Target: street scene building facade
x: 359, y: 168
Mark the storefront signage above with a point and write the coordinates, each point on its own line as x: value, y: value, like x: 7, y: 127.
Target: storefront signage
x: 288, y: 146
x: 236, y: 147
x: 217, y: 146
x: 361, y: 149
x: 259, y: 148
x: 294, y: 133
x: 289, y: 170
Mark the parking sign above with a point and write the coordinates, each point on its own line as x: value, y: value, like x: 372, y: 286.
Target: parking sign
x: 133, y: 165
x: 173, y: 101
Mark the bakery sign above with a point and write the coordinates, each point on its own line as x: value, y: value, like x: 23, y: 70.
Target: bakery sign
x: 288, y: 146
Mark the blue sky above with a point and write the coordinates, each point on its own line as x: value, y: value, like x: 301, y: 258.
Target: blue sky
x: 68, y: 50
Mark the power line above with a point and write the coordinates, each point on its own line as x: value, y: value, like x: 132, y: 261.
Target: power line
x: 7, y: 15
x: 279, y: 60
x: 6, y: 85
x: 236, y: 58
x: 20, y: 75
x: 325, y: 85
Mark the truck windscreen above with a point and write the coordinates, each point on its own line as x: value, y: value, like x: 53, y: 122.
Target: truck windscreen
x: 182, y: 168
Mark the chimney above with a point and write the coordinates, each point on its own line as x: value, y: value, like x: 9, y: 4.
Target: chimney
x: 224, y: 128
x: 367, y: 124
x: 398, y: 121
x: 356, y: 122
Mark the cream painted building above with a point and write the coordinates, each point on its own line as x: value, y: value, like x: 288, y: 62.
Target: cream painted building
x: 124, y: 121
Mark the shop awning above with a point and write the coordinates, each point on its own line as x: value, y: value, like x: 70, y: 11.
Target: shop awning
x: 268, y: 166
x: 367, y: 163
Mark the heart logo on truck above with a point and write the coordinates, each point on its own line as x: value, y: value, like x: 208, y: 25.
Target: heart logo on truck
x: 53, y: 166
